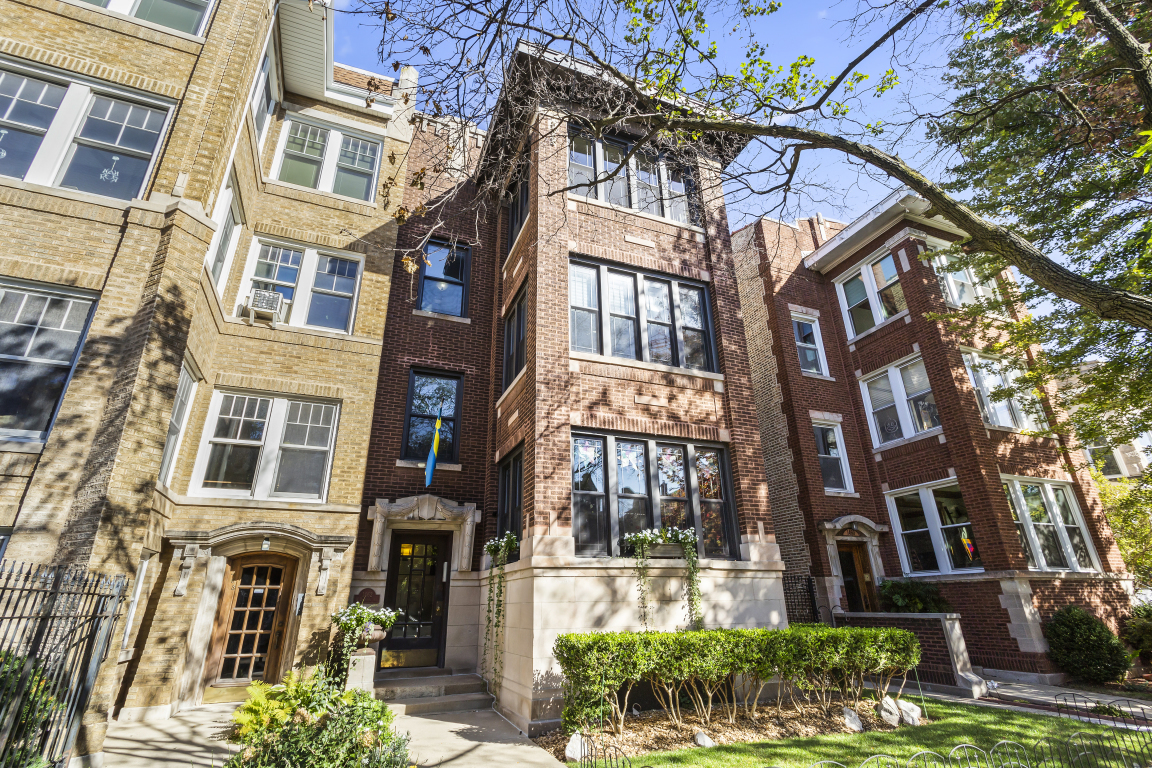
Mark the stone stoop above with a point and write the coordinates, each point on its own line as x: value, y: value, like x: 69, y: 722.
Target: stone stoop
x: 431, y: 690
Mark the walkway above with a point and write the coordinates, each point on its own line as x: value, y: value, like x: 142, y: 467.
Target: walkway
x: 193, y: 738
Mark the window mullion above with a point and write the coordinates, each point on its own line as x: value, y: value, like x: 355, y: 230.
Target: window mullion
x: 932, y: 515
x: 677, y: 325
x: 305, y: 279
x: 869, y: 279
x: 653, y: 484
x: 694, y: 505
x: 54, y: 147
x: 642, y: 316
x: 597, y: 168
x: 328, y: 166
x: 901, y: 397
x: 1061, y: 526
x: 633, y: 182
x: 270, y: 450
x: 665, y: 190
x: 1026, y: 519
x: 613, y: 505
x: 604, y: 315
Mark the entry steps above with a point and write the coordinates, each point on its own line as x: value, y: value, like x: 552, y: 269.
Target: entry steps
x: 431, y: 690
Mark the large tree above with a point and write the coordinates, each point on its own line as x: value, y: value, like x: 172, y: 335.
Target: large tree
x: 1076, y: 74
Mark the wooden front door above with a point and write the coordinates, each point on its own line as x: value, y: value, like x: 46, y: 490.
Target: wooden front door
x: 418, y: 572
x: 858, y: 585
x: 254, y: 605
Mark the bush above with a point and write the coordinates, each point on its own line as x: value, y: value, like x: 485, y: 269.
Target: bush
x: 912, y: 597
x: 1138, y: 631
x: 1083, y: 646
x: 723, y: 669
x: 37, y: 707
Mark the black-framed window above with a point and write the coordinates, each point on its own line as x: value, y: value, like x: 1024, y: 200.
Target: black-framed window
x: 624, y: 484
x: 648, y: 317
x: 432, y: 394
x: 515, y: 323
x: 444, y: 279
x: 519, y: 207
x: 509, y: 517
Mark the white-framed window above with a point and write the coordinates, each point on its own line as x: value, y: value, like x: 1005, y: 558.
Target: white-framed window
x: 832, y: 456
x: 960, y: 285
x: 265, y: 93
x: 185, y: 389
x: 1050, y: 525
x: 809, y: 344
x: 871, y: 295
x: 262, y: 446
x: 320, y: 288
x: 900, y: 402
x: 42, y: 330
x: 218, y: 259
x: 1109, y: 460
x: 327, y: 158
x: 988, y: 374
x: 932, y: 529
x: 77, y: 134
x: 137, y: 589
x: 182, y: 15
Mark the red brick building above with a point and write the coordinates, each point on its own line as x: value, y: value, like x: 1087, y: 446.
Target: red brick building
x: 887, y: 457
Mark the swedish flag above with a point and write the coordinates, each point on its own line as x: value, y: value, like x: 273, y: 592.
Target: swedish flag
x: 431, y: 463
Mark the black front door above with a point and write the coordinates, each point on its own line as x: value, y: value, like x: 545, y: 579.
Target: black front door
x: 418, y: 572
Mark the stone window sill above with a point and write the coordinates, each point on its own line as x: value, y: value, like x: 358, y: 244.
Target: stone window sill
x: 409, y: 464
x: 842, y: 494
x: 605, y: 360
x: 935, y: 432
x: 21, y: 446
x: 820, y: 376
x: 439, y: 316
x: 669, y: 222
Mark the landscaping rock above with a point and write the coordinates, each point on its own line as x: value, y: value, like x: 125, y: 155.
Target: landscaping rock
x: 577, y: 747
x: 852, y: 720
x: 889, y: 712
x: 702, y: 740
x: 909, y: 713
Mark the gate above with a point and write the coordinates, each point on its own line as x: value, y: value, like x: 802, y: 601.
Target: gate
x: 55, y: 626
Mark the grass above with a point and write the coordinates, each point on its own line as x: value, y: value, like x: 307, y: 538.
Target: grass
x: 952, y: 724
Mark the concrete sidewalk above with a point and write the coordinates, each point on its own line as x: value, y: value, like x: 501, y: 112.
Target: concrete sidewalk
x: 193, y: 738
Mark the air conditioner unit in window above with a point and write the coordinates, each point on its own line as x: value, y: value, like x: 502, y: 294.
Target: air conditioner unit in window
x: 265, y: 304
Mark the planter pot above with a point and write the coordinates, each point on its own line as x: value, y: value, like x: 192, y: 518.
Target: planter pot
x: 370, y: 634
x: 666, y: 551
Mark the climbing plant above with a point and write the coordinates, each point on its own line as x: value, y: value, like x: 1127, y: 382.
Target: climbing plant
x: 642, y: 543
x: 499, y: 550
x: 350, y: 622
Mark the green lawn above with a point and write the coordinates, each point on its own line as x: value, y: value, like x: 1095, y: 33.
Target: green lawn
x: 952, y: 724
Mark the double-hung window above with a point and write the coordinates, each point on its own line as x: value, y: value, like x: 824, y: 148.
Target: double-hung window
x: 224, y: 241
x: 185, y: 388
x: 329, y: 159
x: 41, y: 332
x: 648, y: 317
x: 623, y: 485
x: 650, y: 182
x: 320, y: 289
x: 900, y: 402
x: 515, y: 327
x: 933, y: 530
x: 832, y: 456
x: 1050, y: 525
x: 182, y: 15
x: 511, y: 491
x: 76, y: 135
x: 871, y: 295
x: 1103, y: 457
x: 961, y: 285
x: 809, y: 345
x: 989, y: 374
x: 444, y: 279
x: 519, y: 207
x: 432, y: 396
x: 264, y: 94
x: 265, y: 446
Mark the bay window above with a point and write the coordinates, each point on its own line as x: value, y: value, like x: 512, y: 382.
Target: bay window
x: 650, y: 318
x: 515, y: 328
x: 623, y: 485
x: 871, y: 295
x: 933, y: 530
x: 988, y: 374
x: 901, y: 403
x: 1050, y: 525
x: 319, y: 290
x: 327, y: 158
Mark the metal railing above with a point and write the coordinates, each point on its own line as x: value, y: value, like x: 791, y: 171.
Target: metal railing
x: 1116, y: 712
x: 800, y: 598
x: 55, y: 626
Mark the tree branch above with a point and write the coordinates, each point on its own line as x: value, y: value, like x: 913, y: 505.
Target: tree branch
x: 1129, y: 49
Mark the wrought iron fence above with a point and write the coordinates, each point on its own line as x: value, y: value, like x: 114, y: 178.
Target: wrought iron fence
x: 800, y: 598
x: 55, y: 626
x: 1116, y: 712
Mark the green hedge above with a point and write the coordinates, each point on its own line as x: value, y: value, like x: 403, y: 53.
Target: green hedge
x: 724, y: 669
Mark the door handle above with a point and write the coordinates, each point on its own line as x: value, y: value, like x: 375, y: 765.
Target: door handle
x: 444, y: 577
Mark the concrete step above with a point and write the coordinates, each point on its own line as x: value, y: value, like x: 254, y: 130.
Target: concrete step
x: 403, y: 672
x: 426, y: 687
x: 433, y: 705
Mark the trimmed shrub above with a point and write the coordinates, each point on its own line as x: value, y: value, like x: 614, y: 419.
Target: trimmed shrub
x: 1138, y: 631
x: 1083, y: 646
x: 724, y: 669
x: 912, y: 597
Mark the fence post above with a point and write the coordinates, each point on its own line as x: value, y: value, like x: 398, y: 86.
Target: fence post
x: 98, y: 652
x: 43, y: 620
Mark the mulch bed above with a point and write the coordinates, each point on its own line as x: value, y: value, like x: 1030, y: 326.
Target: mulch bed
x: 652, y: 731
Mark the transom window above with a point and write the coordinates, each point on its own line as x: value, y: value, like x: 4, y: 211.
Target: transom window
x: 444, y: 279
x: 623, y: 485
x: 263, y: 446
x: 871, y: 295
x: 933, y: 530
x: 109, y: 152
x: 320, y: 290
x: 988, y: 374
x: 809, y: 345
x: 649, y: 182
x: 182, y: 15
x: 1050, y: 525
x: 41, y: 332
x: 648, y: 318
x: 833, y: 458
x: 329, y: 159
x: 431, y: 396
x: 901, y: 402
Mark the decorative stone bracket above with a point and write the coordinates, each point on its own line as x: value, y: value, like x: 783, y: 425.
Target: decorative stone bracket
x: 424, y: 511
x: 187, y: 562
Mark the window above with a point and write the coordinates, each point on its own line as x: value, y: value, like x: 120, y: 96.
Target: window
x: 1050, y: 526
x: 444, y: 280
x: 137, y: 590
x: 649, y: 318
x: 806, y: 331
x: 320, y: 289
x: 508, y: 516
x: 622, y: 485
x: 1104, y: 458
x: 182, y: 15
x: 520, y: 206
x: 109, y: 152
x: 41, y: 332
x: 184, y: 390
x: 264, y: 446
x: 432, y: 396
x: 514, y: 344
x: 264, y: 95
x: 901, y: 403
x: 934, y: 531
x: 833, y: 458
x: 653, y: 183
x: 960, y: 285
x: 872, y: 295
x: 328, y: 159
x: 224, y: 241
x: 988, y: 374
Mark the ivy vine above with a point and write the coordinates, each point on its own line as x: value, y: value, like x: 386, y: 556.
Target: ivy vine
x: 641, y: 543
x: 499, y: 550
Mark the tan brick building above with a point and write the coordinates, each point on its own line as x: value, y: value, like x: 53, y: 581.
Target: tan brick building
x: 198, y: 207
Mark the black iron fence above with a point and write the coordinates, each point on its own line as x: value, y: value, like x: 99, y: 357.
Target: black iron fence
x: 55, y: 628
x: 800, y: 599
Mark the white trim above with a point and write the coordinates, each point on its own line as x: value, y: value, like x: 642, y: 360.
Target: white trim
x: 821, y: 357
x: 1013, y: 482
x: 900, y: 398
x: 932, y: 520
x: 336, y: 134
x: 864, y: 271
x: 129, y: 8
x: 845, y: 469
